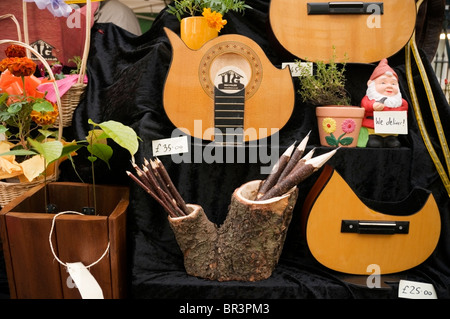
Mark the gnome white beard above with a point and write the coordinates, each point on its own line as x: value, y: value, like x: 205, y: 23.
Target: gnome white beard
x: 390, y: 101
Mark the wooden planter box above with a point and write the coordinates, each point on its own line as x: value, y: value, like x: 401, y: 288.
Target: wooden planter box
x: 33, y: 271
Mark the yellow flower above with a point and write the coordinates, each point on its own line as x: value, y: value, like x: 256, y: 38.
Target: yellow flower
x: 45, y: 118
x: 214, y: 19
x: 329, y: 125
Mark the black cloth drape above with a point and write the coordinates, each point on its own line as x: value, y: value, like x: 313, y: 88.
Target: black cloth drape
x: 126, y: 82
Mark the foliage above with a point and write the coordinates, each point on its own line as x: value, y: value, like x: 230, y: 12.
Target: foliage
x: 326, y: 86
x: 181, y: 8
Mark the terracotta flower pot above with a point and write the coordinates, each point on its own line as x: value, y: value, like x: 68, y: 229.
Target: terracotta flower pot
x: 339, y: 125
x: 195, y: 32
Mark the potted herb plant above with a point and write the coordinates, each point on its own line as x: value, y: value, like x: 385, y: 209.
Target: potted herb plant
x: 338, y: 122
x: 202, y: 20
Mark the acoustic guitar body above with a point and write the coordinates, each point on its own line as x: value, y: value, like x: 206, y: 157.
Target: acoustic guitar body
x: 228, y: 85
x: 364, y: 31
x: 345, y: 235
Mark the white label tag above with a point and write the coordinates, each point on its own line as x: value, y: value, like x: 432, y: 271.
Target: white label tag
x: 390, y: 122
x: 297, y: 70
x: 84, y: 281
x: 415, y: 290
x: 169, y: 146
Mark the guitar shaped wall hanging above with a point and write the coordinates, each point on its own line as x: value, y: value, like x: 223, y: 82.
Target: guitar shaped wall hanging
x: 228, y: 89
x: 364, y: 31
x: 345, y: 235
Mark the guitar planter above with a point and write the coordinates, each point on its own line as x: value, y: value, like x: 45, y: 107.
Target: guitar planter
x: 228, y: 87
x: 248, y: 244
x: 345, y: 235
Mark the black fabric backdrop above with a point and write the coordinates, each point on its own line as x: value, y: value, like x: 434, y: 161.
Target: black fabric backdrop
x: 126, y: 82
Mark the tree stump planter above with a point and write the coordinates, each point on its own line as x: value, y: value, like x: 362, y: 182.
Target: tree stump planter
x: 246, y: 247
x: 33, y: 271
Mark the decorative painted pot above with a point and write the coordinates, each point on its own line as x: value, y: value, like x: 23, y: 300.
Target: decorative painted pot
x: 195, y: 32
x: 339, y: 125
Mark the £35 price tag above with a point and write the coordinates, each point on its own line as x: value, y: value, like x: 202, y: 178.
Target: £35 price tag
x: 416, y: 290
x: 167, y: 146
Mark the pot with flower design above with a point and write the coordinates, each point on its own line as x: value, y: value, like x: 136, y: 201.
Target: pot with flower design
x: 202, y: 20
x: 338, y: 121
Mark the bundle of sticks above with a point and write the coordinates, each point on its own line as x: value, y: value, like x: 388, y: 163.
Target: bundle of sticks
x: 291, y: 169
x: 155, y: 180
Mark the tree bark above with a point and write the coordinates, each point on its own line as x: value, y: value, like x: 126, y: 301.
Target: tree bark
x: 246, y: 247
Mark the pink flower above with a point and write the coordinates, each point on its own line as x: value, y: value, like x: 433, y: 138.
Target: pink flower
x: 348, y: 126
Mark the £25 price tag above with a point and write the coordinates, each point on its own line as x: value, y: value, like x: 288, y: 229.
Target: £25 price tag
x: 416, y: 290
x: 167, y: 146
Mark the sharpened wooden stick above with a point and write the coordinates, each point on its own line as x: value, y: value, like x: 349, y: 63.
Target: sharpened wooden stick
x: 298, y: 175
x: 149, y: 191
x: 276, y: 171
x: 296, y: 156
x: 173, y: 190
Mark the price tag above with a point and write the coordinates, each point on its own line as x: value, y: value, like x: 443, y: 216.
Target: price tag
x: 167, y: 146
x: 390, y: 122
x: 84, y: 281
x: 297, y: 70
x: 416, y: 290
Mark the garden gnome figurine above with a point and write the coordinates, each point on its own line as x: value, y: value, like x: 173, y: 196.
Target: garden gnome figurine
x: 383, y: 94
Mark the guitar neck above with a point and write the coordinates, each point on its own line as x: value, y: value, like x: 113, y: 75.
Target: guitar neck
x: 229, y: 117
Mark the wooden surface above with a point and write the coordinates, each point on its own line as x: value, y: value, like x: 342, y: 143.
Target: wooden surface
x: 312, y: 37
x: 33, y: 271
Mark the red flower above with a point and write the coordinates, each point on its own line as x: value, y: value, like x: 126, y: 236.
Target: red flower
x: 18, y: 66
x: 15, y: 51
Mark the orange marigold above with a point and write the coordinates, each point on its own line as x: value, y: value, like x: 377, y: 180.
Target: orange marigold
x: 18, y: 66
x: 15, y: 51
x: 45, y: 118
x: 214, y: 19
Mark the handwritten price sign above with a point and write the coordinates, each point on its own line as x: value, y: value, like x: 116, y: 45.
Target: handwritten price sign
x: 416, y: 290
x: 169, y: 146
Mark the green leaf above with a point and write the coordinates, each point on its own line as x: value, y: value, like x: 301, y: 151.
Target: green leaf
x: 43, y: 106
x: 3, y: 97
x: 102, y: 151
x: 3, y: 129
x: 15, y: 107
x: 346, y: 140
x: 20, y: 152
x: 51, y: 151
x: 331, y: 140
x: 123, y: 135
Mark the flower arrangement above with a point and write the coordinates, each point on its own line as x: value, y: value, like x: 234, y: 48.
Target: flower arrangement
x: 25, y: 114
x: 212, y: 10
x: 326, y: 86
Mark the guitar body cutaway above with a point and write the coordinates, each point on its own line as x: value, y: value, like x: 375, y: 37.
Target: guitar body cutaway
x: 345, y: 235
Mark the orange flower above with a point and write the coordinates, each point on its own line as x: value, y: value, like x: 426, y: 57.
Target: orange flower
x: 22, y: 67
x: 45, y: 118
x: 15, y: 51
x: 214, y: 19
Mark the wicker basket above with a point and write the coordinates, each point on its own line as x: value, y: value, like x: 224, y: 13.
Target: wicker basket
x: 9, y: 191
x: 71, y: 99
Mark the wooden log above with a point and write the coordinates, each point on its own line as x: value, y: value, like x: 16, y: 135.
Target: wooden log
x: 246, y: 247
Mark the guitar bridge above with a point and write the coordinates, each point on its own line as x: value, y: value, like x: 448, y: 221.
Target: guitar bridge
x: 375, y: 227
x: 345, y: 7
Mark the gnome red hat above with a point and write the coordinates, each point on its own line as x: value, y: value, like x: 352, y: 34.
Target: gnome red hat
x: 381, y: 69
